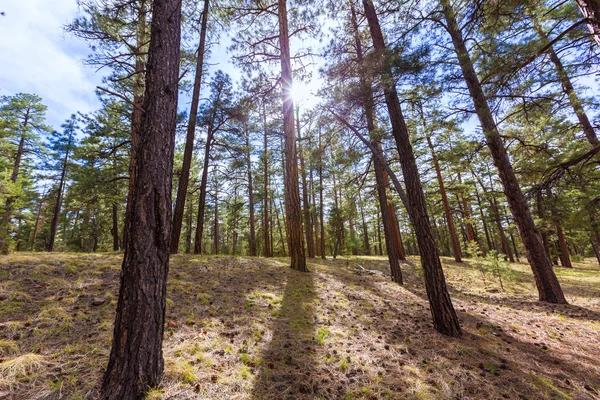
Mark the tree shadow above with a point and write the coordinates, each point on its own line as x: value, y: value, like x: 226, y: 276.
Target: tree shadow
x: 288, y: 366
x: 490, y: 360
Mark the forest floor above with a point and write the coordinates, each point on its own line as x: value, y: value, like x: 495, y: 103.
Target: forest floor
x: 251, y: 328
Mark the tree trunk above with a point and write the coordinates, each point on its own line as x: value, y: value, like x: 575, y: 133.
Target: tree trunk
x: 449, y: 219
x: 293, y: 211
x: 392, y: 238
x: 548, y: 286
x: 216, y: 238
x: 266, y: 237
x: 61, y: 186
x: 189, y: 223
x: 202, y: 198
x: 136, y: 361
x: 308, y: 228
x: 366, y: 242
x: 565, y: 258
x: 37, y: 223
x: 591, y: 10
x: 4, y: 244
x: 136, y: 113
x: 252, y: 239
x: 321, y: 209
x: 184, y: 179
x: 444, y: 316
x: 567, y: 85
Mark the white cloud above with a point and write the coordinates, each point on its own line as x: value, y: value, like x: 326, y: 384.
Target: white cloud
x: 36, y: 56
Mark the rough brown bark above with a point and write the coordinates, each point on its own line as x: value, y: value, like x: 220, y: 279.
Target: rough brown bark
x: 548, y: 286
x: 136, y: 361
x: 393, y: 243
x: 138, y: 99
x: 293, y: 211
x: 444, y: 316
x: 184, y: 179
x: 216, y: 238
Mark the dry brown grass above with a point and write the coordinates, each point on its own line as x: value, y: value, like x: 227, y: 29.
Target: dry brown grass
x: 243, y: 328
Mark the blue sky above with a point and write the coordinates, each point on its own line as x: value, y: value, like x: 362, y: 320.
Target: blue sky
x: 37, y: 57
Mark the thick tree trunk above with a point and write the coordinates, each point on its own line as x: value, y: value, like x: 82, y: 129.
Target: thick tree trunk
x: 136, y: 361
x: 548, y: 286
x: 266, y: 236
x: 449, y: 219
x: 184, y: 179
x: 202, y: 197
x: 393, y: 243
x: 444, y: 316
x: 138, y: 99
x: 252, y: 239
x: 293, y: 211
x: 308, y: 226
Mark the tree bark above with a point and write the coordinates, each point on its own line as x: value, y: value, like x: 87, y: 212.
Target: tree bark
x: 136, y: 361
x: 393, y: 243
x: 184, y: 179
x: 444, y: 316
x: 136, y: 112
x: 547, y: 284
x: 293, y: 211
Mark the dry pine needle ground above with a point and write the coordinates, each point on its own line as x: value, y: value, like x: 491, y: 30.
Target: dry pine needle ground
x: 250, y: 328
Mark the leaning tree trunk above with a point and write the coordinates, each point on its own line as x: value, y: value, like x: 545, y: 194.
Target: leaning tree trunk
x: 293, y: 211
x: 444, y: 316
x: 189, y: 140
x: 136, y: 361
x: 567, y: 86
x: 393, y: 243
x: 547, y: 284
